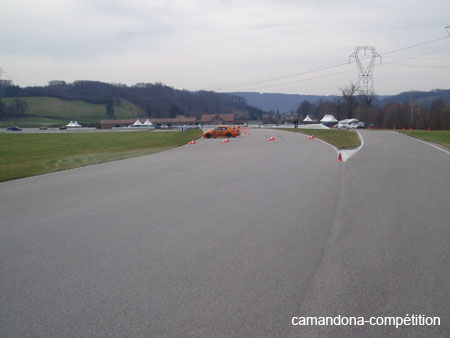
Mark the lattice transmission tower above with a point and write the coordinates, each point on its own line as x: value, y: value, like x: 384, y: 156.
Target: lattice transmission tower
x: 365, y: 58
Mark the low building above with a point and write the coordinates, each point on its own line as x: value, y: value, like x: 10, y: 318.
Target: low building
x: 179, y: 120
x: 217, y: 119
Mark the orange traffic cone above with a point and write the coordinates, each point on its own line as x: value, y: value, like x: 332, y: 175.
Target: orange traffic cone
x: 192, y: 142
x: 225, y: 141
x: 270, y: 139
x: 340, y: 158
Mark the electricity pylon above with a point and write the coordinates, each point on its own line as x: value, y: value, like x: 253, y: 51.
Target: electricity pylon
x: 365, y: 70
x: 448, y: 29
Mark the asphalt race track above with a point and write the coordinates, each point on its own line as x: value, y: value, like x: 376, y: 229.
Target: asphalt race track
x: 230, y: 240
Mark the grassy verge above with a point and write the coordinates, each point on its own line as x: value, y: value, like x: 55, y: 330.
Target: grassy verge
x: 441, y: 137
x: 341, y: 139
x: 23, y: 155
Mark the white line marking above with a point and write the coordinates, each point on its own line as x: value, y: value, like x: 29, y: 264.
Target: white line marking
x: 430, y: 144
x: 346, y: 154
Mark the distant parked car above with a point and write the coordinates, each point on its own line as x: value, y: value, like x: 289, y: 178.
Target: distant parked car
x: 13, y: 128
x: 361, y: 125
x: 43, y: 128
x: 62, y: 128
x: 342, y: 125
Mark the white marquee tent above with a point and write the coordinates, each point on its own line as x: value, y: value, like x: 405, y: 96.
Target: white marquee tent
x: 137, y: 123
x: 147, y: 123
x: 307, y: 119
x: 328, y: 119
x: 73, y: 125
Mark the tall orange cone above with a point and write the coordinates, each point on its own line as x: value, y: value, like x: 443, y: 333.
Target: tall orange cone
x: 340, y: 158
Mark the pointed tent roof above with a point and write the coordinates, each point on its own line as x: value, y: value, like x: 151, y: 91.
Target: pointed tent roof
x: 70, y: 124
x: 137, y: 123
x: 307, y: 119
x: 148, y: 123
x: 75, y: 124
x: 328, y: 118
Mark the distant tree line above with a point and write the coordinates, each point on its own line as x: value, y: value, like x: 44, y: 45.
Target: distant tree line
x: 418, y: 113
x: 15, y: 109
x: 418, y: 110
x: 155, y: 100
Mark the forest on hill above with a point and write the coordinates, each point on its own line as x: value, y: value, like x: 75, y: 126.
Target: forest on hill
x: 413, y: 109
x: 154, y: 100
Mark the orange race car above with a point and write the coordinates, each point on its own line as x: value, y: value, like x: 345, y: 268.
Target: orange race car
x: 222, y: 131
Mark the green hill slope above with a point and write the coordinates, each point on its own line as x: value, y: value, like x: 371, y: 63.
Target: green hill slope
x: 52, y: 110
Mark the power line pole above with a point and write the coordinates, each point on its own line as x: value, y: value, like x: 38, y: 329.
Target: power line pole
x: 365, y: 71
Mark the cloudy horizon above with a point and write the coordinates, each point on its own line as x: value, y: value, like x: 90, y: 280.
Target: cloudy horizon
x: 297, y: 47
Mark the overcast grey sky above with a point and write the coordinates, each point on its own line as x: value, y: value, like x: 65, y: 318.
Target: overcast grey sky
x: 225, y: 45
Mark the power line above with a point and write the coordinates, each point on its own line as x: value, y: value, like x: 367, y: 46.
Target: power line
x: 333, y: 65
x: 421, y: 58
x: 330, y: 66
x: 417, y: 66
x: 302, y: 80
x: 416, y: 45
x: 418, y: 56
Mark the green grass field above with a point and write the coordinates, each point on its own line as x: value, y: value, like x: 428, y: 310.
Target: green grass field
x: 441, y: 137
x: 61, y: 111
x: 341, y: 139
x: 23, y: 155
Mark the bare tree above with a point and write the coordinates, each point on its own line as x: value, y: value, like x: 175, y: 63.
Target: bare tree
x: 350, y: 98
x: 303, y: 109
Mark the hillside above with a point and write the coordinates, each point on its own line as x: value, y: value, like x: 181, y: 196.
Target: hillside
x: 53, y: 110
x: 425, y: 98
x: 89, y: 99
x: 290, y: 102
x: 277, y: 101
